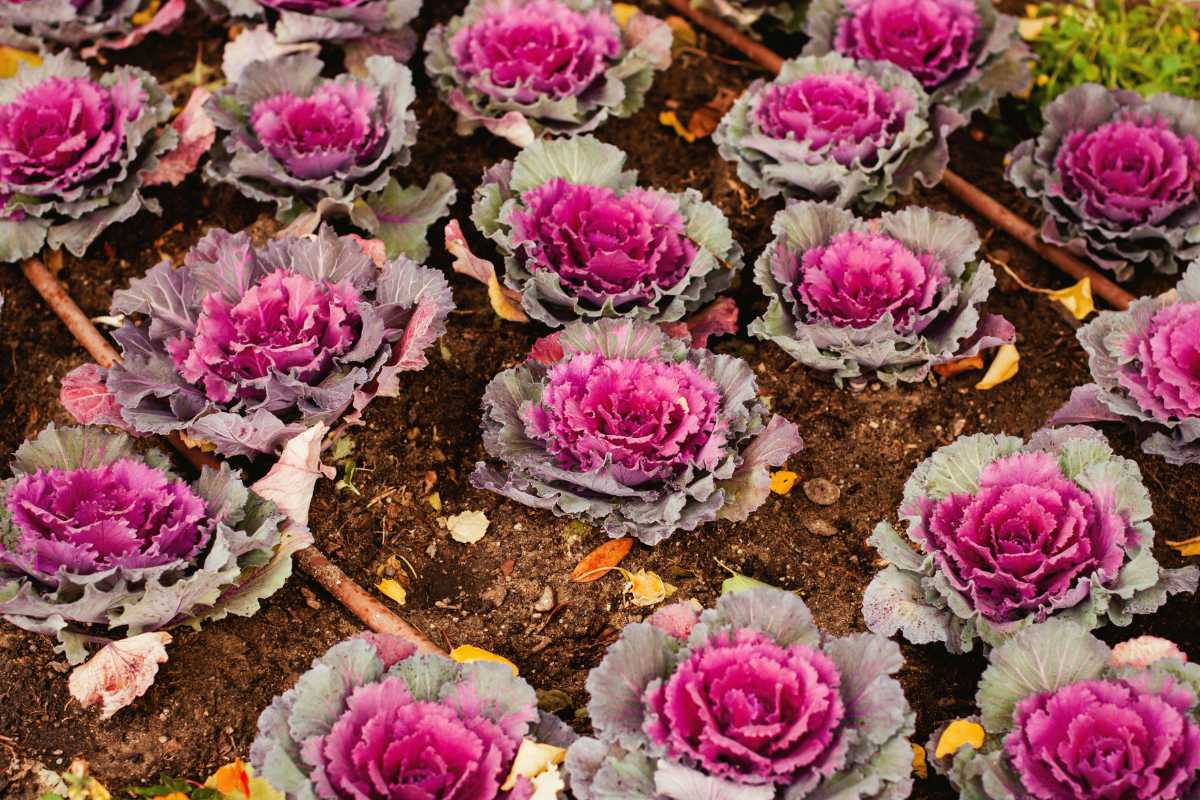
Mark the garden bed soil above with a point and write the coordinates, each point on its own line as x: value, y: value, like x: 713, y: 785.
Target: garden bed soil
x: 202, y: 709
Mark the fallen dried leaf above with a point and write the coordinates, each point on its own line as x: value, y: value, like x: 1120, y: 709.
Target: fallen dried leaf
x: 393, y: 589
x: 958, y: 733
x: 289, y: 483
x: 622, y: 13
x: 646, y: 588
x: 467, y: 527
x: 595, y: 564
x: 1077, y: 298
x: 505, y: 302
x: 920, y: 768
x: 1187, y: 547
x: 532, y: 759
x: 740, y: 583
x: 782, y: 481
x: 1004, y: 366
x: 12, y: 59
x: 466, y: 653
x: 682, y: 32
x: 120, y: 673
x: 952, y: 368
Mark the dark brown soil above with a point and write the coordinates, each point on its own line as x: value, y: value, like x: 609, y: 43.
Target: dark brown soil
x: 202, y: 709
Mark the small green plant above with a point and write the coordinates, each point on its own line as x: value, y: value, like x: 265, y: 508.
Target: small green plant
x: 1148, y: 47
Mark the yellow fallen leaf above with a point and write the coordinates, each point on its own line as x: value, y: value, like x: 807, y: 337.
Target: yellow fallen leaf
x: 1004, y: 367
x: 548, y: 786
x: 12, y: 59
x: 958, y: 733
x: 622, y: 13
x: 682, y: 32
x: 1029, y: 29
x: 1187, y: 547
x: 203, y: 445
x: 468, y: 527
x: 146, y: 14
x: 646, y: 588
x: 435, y: 500
x: 919, y: 766
x: 782, y: 481
x: 532, y: 759
x: 466, y: 653
x: 503, y: 304
x: 1077, y: 298
x: 669, y: 119
x: 393, y: 589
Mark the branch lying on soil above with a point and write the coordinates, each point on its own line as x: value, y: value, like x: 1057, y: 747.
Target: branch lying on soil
x: 358, y: 601
x: 964, y: 190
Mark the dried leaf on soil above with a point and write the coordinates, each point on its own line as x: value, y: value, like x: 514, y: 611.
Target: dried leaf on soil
x: 1004, y: 367
x: 393, y: 589
x: 532, y: 759
x: 958, y: 733
x: 1187, y: 547
x: 120, y: 673
x: 1077, y: 298
x: 597, y: 563
x: 12, y: 59
x: 646, y: 588
x: 920, y: 768
x: 740, y: 583
x: 505, y: 302
x: 703, y: 121
x: 467, y: 527
x: 782, y: 481
x: 952, y: 368
x: 466, y: 653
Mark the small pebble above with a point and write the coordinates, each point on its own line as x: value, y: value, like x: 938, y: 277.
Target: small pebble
x: 822, y: 492
x: 496, y: 595
x: 546, y: 601
x: 957, y: 426
x: 506, y: 566
x: 819, y: 527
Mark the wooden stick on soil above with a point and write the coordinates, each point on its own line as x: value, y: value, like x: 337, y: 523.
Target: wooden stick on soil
x: 980, y: 201
x: 372, y: 613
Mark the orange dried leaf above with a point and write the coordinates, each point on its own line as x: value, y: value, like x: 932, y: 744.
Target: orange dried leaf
x: 958, y: 733
x: 597, y: 563
x: 952, y: 368
x: 1003, y: 367
x: 669, y: 119
x: 920, y: 768
x: 466, y: 653
x: 783, y: 481
x: 1187, y: 547
x: 12, y: 59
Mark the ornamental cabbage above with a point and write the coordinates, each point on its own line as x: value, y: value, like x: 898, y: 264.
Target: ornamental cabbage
x: 746, y: 701
x: 74, y: 151
x: 372, y: 718
x: 1065, y: 717
x: 523, y: 68
x: 302, y: 141
x: 580, y: 240
x: 381, y: 25
x: 1011, y: 533
x: 785, y: 14
x: 829, y: 129
x: 633, y: 431
x: 97, y: 537
x: 1146, y: 365
x: 964, y: 53
x: 1118, y: 177
x: 105, y: 23
x: 885, y: 298
x: 244, y: 347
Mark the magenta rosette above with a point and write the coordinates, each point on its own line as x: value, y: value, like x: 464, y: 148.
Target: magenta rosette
x: 964, y: 53
x: 374, y: 719
x: 104, y: 542
x: 312, y: 145
x: 1118, y: 177
x: 1065, y: 717
x: 886, y: 298
x: 746, y: 701
x: 830, y: 129
x: 1011, y: 533
x: 74, y: 151
x: 633, y: 430
x: 581, y: 240
x: 523, y: 68
x: 246, y: 347
x: 1145, y: 364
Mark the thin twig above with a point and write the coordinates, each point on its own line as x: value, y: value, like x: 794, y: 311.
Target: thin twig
x: 966, y: 192
x: 358, y: 601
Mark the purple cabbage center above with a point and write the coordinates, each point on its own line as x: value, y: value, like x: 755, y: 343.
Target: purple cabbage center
x: 1163, y: 370
x: 1027, y: 542
x: 603, y: 245
x: 652, y: 419
x: 933, y: 40
x: 286, y: 324
x: 746, y: 709
x: 845, y: 116
x: 124, y: 515
x: 856, y: 278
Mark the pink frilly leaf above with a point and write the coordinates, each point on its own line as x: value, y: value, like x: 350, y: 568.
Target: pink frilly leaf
x: 196, y: 135
x: 290, y: 482
x: 120, y: 673
x: 84, y: 394
x: 165, y: 20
